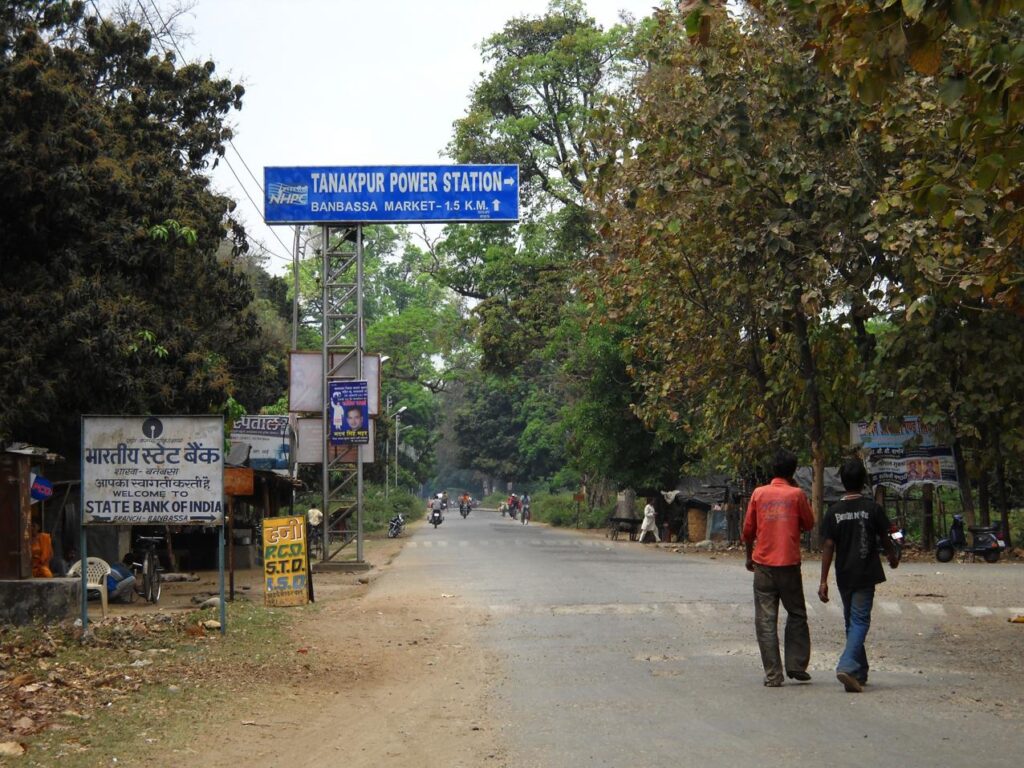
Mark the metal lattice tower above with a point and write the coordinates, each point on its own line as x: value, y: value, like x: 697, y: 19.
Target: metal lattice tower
x: 343, y: 348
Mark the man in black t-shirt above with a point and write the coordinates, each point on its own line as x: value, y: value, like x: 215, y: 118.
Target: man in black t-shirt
x: 851, y: 531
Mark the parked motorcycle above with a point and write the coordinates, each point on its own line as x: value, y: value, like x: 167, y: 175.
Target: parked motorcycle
x: 985, y: 542
x: 395, y: 526
x: 897, y: 537
x: 436, y: 518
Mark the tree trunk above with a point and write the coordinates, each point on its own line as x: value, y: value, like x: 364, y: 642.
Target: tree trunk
x: 817, y: 488
x: 928, y: 516
x: 983, y: 497
x: 1001, y: 498
x: 966, y: 496
x: 817, y: 427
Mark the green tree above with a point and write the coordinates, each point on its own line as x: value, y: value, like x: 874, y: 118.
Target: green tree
x: 969, y: 58
x: 104, y: 140
x: 728, y: 201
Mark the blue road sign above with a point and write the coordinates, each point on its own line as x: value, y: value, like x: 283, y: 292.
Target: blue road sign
x: 372, y: 194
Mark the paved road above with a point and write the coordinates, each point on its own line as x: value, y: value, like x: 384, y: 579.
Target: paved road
x: 619, y: 654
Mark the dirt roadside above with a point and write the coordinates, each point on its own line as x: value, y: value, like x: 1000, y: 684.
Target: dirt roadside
x: 386, y: 673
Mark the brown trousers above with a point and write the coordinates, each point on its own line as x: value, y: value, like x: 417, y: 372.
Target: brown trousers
x: 772, y: 584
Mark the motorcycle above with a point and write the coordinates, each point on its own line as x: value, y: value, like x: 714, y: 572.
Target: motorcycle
x: 395, y: 526
x: 464, y: 509
x: 985, y: 542
x: 436, y: 518
x: 897, y: 537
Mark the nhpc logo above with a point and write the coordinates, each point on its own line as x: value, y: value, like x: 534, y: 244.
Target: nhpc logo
x: 289, y: 194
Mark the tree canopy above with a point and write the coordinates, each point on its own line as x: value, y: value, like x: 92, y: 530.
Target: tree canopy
x: 105, y: 140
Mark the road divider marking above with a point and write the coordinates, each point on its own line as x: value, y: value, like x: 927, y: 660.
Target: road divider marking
x: 893, y: 609
x: 978, y: 610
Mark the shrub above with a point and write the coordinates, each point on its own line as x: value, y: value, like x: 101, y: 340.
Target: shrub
x: 559, y: 509
x: 377, y: 510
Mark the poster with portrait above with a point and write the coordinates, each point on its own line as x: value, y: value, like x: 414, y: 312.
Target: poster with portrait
x: 349, y: 413
x: 903, y: 454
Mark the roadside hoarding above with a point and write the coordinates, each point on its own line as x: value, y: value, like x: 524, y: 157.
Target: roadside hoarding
x: 153, y: 470
x: 306, y: 380
x: 285, y: 561
x: 373, y: 194
x: 903, y: 454
x: 310, y: 445
x: 270, y: 440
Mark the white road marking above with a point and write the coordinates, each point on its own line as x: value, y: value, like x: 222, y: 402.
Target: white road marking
x: 931, y: 609
x: 978, y: 610
x: 893, y: 609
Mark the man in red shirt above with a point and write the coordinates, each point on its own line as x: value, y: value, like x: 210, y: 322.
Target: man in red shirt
x: 777, y: 514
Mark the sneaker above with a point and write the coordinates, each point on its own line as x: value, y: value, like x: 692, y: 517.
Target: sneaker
x: 850, y: 683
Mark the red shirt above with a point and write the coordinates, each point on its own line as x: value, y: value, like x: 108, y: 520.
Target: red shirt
x: 776, y: 515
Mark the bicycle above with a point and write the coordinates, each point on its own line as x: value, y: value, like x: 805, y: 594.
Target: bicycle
x: 316, y: 542
x: 149, y: 586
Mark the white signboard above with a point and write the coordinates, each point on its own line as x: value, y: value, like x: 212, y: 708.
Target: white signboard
x: 310, y: 439
x: 270, y: 441
x: 153, y: 470
x: 306, y: 381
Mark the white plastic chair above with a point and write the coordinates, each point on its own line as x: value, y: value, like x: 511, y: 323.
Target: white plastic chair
x: 96, y: 573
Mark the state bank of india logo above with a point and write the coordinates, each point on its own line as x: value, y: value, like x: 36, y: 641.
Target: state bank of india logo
x: 289, y: 194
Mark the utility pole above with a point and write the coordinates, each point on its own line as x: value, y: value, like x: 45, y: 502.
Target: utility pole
x: 398, y: 430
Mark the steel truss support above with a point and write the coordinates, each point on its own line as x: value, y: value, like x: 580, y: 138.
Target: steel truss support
x: 343, y: 340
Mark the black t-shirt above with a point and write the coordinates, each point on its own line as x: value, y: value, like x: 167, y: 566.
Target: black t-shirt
x: 855, y: 525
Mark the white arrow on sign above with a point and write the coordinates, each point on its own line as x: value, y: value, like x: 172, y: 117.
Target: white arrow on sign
x: 509, y: 182
x: 496, y: 204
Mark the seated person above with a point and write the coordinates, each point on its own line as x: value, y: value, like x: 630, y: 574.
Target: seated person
x: 42, y: 553
x: 120, y: 582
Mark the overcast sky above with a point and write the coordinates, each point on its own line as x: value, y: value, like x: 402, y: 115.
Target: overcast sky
x: 348, y: 82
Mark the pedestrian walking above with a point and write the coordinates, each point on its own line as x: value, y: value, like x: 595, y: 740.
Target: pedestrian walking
x: 851, y: 531
x: 776, y: 515
x: 649, y: 523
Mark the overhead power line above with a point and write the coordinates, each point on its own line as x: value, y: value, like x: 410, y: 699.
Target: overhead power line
x: 255, y: 205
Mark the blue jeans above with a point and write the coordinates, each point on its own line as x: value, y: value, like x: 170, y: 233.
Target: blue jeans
x: 857, y: 615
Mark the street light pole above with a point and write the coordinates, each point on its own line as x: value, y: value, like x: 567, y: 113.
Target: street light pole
x: 398, y: 431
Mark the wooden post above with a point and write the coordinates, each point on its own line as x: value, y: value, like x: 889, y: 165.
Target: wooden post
x: 25, y: 502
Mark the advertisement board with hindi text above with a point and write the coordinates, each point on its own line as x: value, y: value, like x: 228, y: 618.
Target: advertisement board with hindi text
x: 903, y: 454
x: 270, y: 439
x: 285, y: 561
x: 152, y: 470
